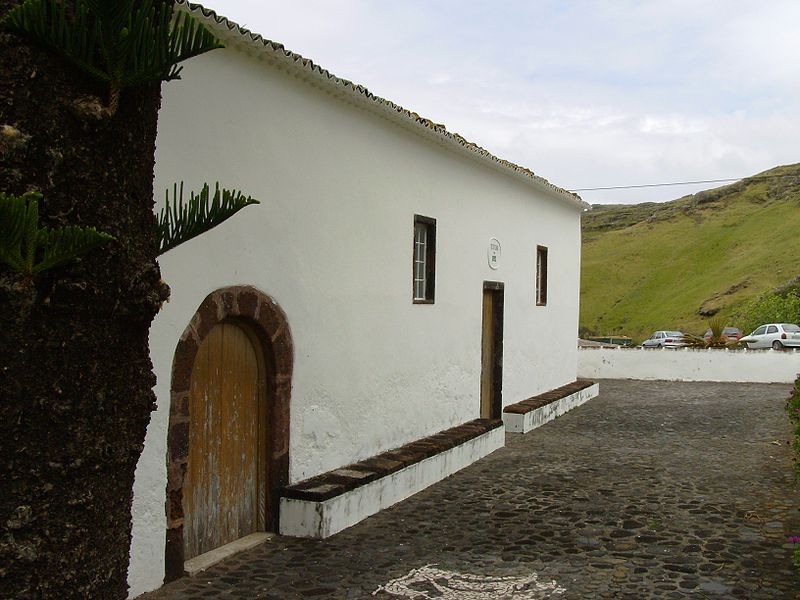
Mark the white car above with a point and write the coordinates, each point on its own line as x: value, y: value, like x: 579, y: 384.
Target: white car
x: 774, y: 335
x: 664, y: 339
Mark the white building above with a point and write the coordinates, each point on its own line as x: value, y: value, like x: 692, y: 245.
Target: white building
x: 352, y: 301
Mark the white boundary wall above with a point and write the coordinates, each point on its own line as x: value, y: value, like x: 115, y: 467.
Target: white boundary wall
x: 746, y: 366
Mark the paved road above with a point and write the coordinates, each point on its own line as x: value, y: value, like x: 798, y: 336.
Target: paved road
x: 651, y: 490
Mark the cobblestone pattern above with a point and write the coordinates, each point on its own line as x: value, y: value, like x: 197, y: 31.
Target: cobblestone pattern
x: 651, y: 490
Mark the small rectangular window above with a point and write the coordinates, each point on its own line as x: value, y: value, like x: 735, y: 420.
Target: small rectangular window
x: 424, y: 259
x: 541, y: 275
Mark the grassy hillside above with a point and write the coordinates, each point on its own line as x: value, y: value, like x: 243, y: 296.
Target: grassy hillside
x: 657, y: 266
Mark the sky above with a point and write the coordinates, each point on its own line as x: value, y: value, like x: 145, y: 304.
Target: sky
x: 584, y: 93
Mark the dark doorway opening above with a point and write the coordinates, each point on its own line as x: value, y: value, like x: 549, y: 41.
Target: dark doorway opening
x: 492, y: 351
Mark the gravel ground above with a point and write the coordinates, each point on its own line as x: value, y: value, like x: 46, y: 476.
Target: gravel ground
x: 651, y: 490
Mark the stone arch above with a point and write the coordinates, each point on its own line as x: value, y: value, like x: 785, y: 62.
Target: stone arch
x: 270, y: 326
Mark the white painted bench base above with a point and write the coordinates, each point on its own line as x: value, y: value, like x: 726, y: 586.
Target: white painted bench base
x: 523, y: 423
x: 302, y: 518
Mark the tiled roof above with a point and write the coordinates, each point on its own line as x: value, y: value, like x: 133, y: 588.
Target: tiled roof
x: 229, y: 32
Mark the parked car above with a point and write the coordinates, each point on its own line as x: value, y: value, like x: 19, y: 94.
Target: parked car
x: 664, y: 339
x: 774, y: 335
x: 732, y: 333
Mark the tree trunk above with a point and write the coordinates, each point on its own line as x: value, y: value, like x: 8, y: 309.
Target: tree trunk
x: 75, y: 373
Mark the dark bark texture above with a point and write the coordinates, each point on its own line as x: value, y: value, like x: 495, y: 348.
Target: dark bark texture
x: 75, y: 373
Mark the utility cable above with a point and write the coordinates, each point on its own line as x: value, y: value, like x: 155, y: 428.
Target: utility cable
x: 651, y: 185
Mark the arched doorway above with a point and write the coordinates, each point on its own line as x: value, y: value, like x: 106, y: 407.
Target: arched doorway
x: 228, y: 438
x: 225, y: 483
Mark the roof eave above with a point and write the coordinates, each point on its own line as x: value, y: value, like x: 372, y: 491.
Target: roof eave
x: 276, y: 54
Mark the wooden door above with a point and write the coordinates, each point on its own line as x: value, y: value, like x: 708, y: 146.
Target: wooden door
x: 225, y: 479
x: 487, y: 339
x: 492, y: 351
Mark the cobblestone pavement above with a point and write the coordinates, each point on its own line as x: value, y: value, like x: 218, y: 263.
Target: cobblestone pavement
x: 650, y: 490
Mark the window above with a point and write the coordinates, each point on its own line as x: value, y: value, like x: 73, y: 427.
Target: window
x: 424, y: 259
x: 541, y: 275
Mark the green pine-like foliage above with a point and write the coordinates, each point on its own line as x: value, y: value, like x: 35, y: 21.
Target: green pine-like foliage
x: 181, y: 221
x: 29, y: 249
x: 119, y: 42
x: 122, y: 43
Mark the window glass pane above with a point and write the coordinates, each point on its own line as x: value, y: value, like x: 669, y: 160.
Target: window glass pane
x: 541, y: 275
x: 419, y: 289
x: 424, y: 258
x: 419, y: 233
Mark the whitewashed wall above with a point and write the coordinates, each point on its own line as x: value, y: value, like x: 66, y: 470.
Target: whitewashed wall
x: 331, y: 242
x: 756, y: 366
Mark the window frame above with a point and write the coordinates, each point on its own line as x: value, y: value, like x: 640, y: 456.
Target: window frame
x: 429, y: 260
x: 541, y: 275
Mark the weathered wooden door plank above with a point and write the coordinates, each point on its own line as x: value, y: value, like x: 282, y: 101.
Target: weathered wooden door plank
x: 222, y: 493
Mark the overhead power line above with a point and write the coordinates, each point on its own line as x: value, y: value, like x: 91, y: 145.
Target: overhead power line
x: 651, y: 185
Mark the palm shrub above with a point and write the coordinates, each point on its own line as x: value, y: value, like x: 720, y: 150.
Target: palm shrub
x: 718, y: 340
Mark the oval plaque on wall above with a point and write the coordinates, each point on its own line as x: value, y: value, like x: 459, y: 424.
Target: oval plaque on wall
x: 493, y: 253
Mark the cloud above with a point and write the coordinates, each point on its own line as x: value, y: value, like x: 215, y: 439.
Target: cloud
x: 585, y: 93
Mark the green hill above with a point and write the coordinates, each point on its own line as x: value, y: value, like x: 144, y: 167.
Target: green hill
x: 671, y: 265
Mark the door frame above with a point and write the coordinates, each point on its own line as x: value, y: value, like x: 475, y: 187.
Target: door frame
x: 266, y: 322
x: 496, y: 289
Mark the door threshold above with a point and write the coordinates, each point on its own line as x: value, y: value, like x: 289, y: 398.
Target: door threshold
x: 195, y: 565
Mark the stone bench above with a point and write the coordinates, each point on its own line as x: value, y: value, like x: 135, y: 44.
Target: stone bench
x: 534, y: 412
x: 326, y: 504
